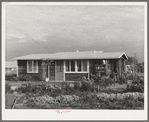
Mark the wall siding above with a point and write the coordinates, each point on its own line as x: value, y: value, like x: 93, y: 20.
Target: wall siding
x: 75, y: 76
x: 22, y: 69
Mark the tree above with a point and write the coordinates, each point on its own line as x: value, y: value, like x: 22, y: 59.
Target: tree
x: 131, y: 60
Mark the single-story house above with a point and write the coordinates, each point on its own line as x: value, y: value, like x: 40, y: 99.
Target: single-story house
x: 11, y: 67
x: 72, y: 66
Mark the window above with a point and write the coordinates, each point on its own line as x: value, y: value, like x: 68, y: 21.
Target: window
x: 67, y: 66
x: 59, y: 66
x: 32, y: 66
x: 84, y: 62
x: 73, y: 65
x: 76, y: 65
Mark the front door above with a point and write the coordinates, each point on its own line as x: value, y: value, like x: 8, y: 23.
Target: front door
x: 52, y: 71
x: 59, y: 70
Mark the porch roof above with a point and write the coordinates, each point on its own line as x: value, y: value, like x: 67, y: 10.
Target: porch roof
x: 74, y: 55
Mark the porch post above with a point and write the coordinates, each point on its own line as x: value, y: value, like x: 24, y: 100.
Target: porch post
x: 124, y: 66
x: 55, y: 70
x: 64, y: 71
x: 88, y: 69
x: 120, y: 67
x: 48, y: 72
x: 17, y: 68
x: 106, y: 66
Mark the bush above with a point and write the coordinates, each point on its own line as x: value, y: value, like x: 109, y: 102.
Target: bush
x: 130, y: 77
x: 27, y: 78
x: 15, y: 79
x: 77, y: 85
x: 86, y: 85
x: 136, y: 86
x: 103, y: 81
x: 21, y: 78
x: 8, y: 88
x: 122, y: 80
x: 35, y: 78
x: 9, y: 77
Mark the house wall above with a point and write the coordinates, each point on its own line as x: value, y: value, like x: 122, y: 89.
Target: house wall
x: 75, y: 76
x: 117, y: 66
x: 22, y: 69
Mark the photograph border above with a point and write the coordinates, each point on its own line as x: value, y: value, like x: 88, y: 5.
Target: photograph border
x: 74, y: 114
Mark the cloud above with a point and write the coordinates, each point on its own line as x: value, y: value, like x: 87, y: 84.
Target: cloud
x: 21, y: 41
x: 69, y: 27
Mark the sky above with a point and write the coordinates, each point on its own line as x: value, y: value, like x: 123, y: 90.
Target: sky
x: 38, y: 29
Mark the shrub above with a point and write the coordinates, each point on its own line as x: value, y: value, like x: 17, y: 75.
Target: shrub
x: 86, y: 85
x: 35, y: 78
x: 103, y: 81
x: 15, y: 79
x: 77, y: 85
x: 130, y: 77
x: 21, y: 78
x: 96, y: 79
x: 9, y: 77
x: 136, y: 86
x: 27, y: 78
x: 122, y: 79
x: 8, y: 88
x: 120, y: 96
x: 29, y: 88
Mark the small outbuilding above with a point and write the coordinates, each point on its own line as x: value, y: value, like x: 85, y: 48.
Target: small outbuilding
x: 11, y: 67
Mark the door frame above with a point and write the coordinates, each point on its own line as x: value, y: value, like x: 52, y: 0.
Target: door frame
x: 54, y: 71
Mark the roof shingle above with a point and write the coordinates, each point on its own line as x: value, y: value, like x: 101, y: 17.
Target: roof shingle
x: 74, y: 55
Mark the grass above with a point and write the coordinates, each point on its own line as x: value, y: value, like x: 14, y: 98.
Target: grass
x: 9, y: 100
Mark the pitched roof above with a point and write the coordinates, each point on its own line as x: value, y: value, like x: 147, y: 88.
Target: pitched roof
x: 74, y: 55
x: 11, y: 64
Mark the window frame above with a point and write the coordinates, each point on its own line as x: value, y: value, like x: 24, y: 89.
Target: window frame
x: 32, y: 66
x: 69, y: 61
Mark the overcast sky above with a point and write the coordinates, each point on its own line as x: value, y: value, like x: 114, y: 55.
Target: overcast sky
x: 47, y: 29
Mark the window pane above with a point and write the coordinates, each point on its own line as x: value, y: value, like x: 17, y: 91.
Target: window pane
x: 78, y: 65
x: 29, y: 66
x: 72, y: 65
x: 61, y: 68
x: 34, y: 66
x: 67, y: 66
x: 84, y: 65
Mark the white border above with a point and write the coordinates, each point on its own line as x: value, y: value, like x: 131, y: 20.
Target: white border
x: 76, y: 3
x: 73, y: 114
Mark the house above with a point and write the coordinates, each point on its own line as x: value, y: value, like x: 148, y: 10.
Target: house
x: 11, y: 67
x: 72, y: 66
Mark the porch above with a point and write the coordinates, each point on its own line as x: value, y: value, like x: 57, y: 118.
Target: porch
x: 74, y: 70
